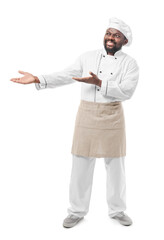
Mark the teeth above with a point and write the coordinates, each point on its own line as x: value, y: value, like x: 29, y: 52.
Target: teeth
x: 110, y: 43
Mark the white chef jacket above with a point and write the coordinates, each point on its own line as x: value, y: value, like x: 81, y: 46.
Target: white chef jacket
x: 119, y: 75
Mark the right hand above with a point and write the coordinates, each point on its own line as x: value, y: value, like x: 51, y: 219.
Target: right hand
x: 26, y: 79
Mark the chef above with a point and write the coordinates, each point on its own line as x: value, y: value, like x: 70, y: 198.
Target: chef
x: 108, y: 77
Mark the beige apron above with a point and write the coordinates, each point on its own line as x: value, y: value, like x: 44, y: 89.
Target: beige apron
x: 99, y: 130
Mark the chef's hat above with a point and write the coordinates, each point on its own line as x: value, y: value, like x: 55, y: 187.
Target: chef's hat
x: 122, y: 27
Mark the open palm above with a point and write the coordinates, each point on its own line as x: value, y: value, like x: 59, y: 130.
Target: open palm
x: 93, y: 79
x: 26, y: 79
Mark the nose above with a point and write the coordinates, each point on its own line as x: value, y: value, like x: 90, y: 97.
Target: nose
x: 110, y: 37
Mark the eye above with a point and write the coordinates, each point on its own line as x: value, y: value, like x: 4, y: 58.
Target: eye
x: 117, y: 36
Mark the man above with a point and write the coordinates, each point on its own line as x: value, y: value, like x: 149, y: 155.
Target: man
x: 100, y: 128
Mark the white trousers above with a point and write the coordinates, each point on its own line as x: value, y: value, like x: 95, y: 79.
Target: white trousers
x: 81, y: 185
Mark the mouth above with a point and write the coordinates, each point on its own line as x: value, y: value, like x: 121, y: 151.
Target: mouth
x: 110, y: 44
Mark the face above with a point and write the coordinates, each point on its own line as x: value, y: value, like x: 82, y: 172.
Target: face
x: 113, y: 40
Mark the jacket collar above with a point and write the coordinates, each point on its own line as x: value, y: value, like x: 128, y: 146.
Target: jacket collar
x: 118, y: 53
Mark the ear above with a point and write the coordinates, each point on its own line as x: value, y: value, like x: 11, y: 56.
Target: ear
x: 125, y: 41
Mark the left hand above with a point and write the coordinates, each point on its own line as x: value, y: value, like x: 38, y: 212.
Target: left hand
x: 93, y: 79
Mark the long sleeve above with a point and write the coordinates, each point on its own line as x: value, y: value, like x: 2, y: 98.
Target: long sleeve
x: 121, y: 85
x: 57, y: 79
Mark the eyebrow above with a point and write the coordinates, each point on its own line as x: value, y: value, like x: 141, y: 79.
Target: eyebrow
x: 113, y: 33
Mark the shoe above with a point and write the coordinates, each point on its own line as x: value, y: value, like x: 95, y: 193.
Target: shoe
x: 123, y: 219
x: 71, y: 221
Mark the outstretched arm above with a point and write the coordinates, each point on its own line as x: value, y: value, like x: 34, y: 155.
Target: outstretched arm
x: 61, y: 78
x: 54, y: 79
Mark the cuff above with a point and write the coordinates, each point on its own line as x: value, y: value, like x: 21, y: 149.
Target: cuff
x: 42, y: 84
x: 107, y: 86
x: 104, y: 86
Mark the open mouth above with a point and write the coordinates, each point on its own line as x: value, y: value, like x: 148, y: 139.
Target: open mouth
x: 110, y: 44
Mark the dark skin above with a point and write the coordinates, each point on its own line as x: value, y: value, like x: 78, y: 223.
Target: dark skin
x: 113, y: 42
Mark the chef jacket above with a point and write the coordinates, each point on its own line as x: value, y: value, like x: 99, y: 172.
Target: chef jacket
x: 119, y: 75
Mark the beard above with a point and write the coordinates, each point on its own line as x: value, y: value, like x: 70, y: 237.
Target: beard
x: 113, y: 49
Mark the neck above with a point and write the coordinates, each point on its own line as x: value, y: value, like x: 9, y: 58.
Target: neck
x: 109, y: 53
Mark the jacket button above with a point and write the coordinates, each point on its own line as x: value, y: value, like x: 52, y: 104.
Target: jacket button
x: 98, y: 89
x: 100, y: 71
x: 111, y: 73
x: 115, y: 58
x: 103, y: 55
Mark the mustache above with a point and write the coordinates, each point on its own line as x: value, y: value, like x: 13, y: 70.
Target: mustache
x: 110, y: 41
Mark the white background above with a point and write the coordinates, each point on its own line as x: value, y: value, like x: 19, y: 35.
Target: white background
x: 36, y: 127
